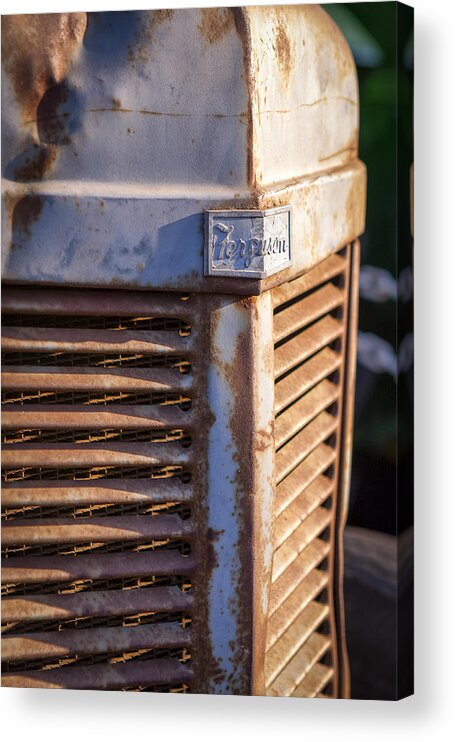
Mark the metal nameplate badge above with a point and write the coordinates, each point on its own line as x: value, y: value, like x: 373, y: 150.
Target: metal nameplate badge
x: 247, y: 244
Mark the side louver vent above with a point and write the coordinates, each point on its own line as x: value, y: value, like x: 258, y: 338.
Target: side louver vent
x: 310, y: 316
x: 99, y: 529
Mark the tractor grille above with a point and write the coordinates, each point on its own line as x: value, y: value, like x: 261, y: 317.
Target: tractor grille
x: 310, y: 315
x: 99, y: 518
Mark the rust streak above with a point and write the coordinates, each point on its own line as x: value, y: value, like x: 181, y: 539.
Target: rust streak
x: 215, y: 24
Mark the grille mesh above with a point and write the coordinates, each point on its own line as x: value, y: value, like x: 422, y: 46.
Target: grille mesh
x: 309, y: 333
x: 97, y: 509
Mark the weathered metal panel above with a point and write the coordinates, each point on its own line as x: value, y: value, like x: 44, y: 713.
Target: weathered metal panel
x: 80, y: 211
x: 240, y: 490
x: 305, y: 624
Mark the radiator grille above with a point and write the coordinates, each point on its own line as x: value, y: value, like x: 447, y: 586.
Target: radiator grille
x: 310, y: 315
x: 98, y: 518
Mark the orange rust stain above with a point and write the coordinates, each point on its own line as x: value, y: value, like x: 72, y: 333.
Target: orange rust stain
x: 51, y: 126
x: 116, y: 103
x: 354, y: 210
x: 140, y: 52
x: 26, y: 211
x: 36, y: 165
x: 282, y: 49
x: 215, y: 24
x: 37, y: 51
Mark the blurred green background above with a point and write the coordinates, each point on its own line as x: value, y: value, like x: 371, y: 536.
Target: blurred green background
x: 378, y: 567
x: 381, y: 39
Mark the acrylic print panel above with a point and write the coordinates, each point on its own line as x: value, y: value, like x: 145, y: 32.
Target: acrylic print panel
x: 191, y: 501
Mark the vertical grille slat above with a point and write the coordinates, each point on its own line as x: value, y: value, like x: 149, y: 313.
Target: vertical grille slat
x: 99, y: 442
x: 310, y: 321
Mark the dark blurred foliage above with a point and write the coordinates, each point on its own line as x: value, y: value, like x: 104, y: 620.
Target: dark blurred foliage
x: 381, y: 39
x: 380, y: 629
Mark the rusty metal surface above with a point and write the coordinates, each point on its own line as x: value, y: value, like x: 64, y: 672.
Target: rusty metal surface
x: 297, y: 350
x: 315, y: 401
x: 306, y: 591
x: 94, y: 492
x: 41, y: 339
x: 303, y: 626
x: 345, y: 464
x: 31, y: 570
x: 98, y: 604
x: 82, y: 205
x: 96, y: 379
x: 240, y: 491
x: 87, y: 530
x: 99, y: 569
x: 119, y: 676
x: 93, y: 641
x: 317, y: 368
x: 74, y: 417
x: 94, y: 454
x: 88, y: 303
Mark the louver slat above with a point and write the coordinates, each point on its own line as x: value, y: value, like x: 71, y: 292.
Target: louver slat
x: 290, y: 388
x: 95, y: 604
x: 92, y: 379
x: 317, y: 679
x: 310, y: 558
x: 29, y: 571
x: 95, y: 303
x: 288, y: 611
x: 52, y: 644
x: 302, y: 412
x: 95, y: 492
x: 94, y: 454
x: 333, y: 266
x: 91, y: 417
x: 43, y: 339
x: 302, y: 346
x: 291, y: 518
x: 302, y: 444
x: 295, y: 483
x: 290, y: 683
x: 309, y: 529
x: 297, y: 315
x: 98, y: 534
x: 310, y: 318
x: 119, y: 676
x: 279, y: 655
x: 85, y: 530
